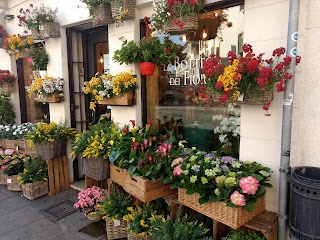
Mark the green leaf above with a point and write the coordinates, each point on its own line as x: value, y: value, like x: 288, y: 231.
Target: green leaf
x: 190, y: 191
x: 258, y: 177
x: 175, y: 185
x: 267, y: 185
x: 249, y: 207
x: 132, y: 169
x: 261, y: 192
x: 167, y: 180
x: 213, y: 198
x: 203, y: 200
x: 114, y: 156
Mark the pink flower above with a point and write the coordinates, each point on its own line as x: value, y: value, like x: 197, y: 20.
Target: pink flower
x: 249, y: 185
x: 8, y: 151
x: 177, y: 161
x: 237, y: 199
x: 177, y: 170
x: 134, y: 146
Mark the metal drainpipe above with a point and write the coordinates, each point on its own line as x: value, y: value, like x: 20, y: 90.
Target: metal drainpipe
x: 287, y: 121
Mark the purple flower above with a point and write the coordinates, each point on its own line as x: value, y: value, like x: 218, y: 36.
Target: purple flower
x: 228, y: 159
x: 224, y: 167
x: 196, y: 168
x: 211, y: 156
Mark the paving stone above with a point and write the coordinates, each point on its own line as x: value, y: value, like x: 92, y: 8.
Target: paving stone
x: 66, y: 235
x: 13, y: 204
x: 3, y: 196
x: 39, y: 230
x: 17, y: 219
x: 71, y: 220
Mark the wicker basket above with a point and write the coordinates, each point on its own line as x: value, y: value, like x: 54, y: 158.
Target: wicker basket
x: 123, y: 8
x: 219, y: 211
x: 96, y: 168
x: 47, y: 30
x: 35, y: 190
x: 7, y: 87
x: 13, y: 183
x: 190, y: 24
x: 23, y: 53
x: 2, y: 143
x: 1, y: 42
x: 3, y: 179
x: 19, y: 145
x: 132, y: 236
x: 51, y: 150
x: 114, y: 230
x: 102, y: 15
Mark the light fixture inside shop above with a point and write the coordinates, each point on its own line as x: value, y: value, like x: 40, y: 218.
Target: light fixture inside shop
x: 204, y: 34
x: 184, y: 38
x: 101, y: 58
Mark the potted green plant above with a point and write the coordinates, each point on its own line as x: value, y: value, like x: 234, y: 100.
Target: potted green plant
x: 114, y: 208
x: 33, y: 179
x: 100, y: 11
x: 148, y: 52
x: 40, y: 61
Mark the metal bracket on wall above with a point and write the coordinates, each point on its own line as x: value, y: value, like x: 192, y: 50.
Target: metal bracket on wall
x: 43, y: 42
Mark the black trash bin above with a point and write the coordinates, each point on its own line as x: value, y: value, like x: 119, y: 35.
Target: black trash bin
x: 304, y: 218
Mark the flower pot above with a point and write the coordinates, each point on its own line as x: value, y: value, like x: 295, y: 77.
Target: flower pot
x: 123, y: 9
x: 13, y: 183
x: 125, y: 99
x: 94, y: 217
x: 96, y: 168
x: 51, y: 150
x: 116, y: 229
x: 102, y: 15
x: 147, y: 68
x: 43, y: 73
x: 8, y: 87
x: 47, y: 30
x: 53, y: 98
x: 3, y: 179
x: 34, y: 190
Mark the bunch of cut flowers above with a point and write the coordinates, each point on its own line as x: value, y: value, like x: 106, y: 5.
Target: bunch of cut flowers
x: 42, y: 88
x: 237, y: 183
x: 250, y: 74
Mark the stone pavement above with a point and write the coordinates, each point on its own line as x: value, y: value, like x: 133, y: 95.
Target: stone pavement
x: 21, y: 219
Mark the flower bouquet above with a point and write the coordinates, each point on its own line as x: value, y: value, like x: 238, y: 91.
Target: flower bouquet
x: 114, y: 208
x: 42, y: 21
x: 17, y: 45
x: 12, y: 163
x: 7, y: 81
x: 250, y: 78
x: 33, y: 180
x: 50, y: 139
x: 3, y: 34
x: 221, y: 181
x: 47, y: 89
x: 112, y: 90
x: 100, y: 11
x: 89, y: 201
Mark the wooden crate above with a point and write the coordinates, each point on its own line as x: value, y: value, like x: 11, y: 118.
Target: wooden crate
x: 58, y: 175
x: 125, y: 99
x: 142, y: 189
x: 90, y: 182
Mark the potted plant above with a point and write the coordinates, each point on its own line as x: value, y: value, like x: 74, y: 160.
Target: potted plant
x: 17, y: 45
x: 40, y: 61
x: 220, y: 184
x: 112, y: 90
x: 89, y: 201
x: 100, y: 11
x: 250, y: 77
x: 148, y: 52
x: 243, y: 235
x: 33, y: 179
x: 12, y: 163
x: 94, y: 146
x: 114, y: 208
x: 42, y: 21
x: 7, y: 81
x: 47, y: 89
x: 7, y: 113
x: 50, y: 139
x: 3, y: 35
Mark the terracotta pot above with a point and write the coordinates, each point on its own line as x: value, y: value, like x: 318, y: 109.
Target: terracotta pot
x: 147, y: 68
x: 94, y: 217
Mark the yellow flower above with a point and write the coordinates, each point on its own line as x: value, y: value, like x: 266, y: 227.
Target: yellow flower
x: 92, y: 106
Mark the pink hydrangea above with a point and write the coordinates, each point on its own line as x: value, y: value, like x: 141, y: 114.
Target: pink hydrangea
x: 9, y: 151
x: 177, y: 161
x: 249, y: 185
x: 238, y: 199
x: 177, y: 170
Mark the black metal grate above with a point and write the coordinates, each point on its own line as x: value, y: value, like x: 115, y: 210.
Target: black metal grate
x: 59, y: 211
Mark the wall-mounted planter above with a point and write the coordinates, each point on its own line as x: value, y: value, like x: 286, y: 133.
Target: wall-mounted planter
x: 102, y: 15
x: 53, y: 98
x: 147, y: 68
x: 1, y: 42
x: 7, y: 87
x: 124, y: 9
x: 125, y: 99
x: 47, y: 30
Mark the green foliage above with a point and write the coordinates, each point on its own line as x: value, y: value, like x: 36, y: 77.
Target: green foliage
x: 147, y: 50
x: 116, y: 204
x: 243, y: 235
x: 40, y: 59
x: 7, y: 113
x: 94, y: 4
x: 34, y: 171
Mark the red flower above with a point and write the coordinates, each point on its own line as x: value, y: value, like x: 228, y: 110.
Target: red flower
x: 168, y: 50
x: 124, y: 130
x: 279, y: 67
x: 219, y: 85
x: 265, y: 72
x: 134, y: 146
x: 280, y: 86
x: 149, y: 122
x: 31, y: 5
x: 252, y: 65
x: 21, y: 10
x: 278, y: 52
x: 287, y: 61
x: 266, y: 105
x: 133, y: 122
x: 224, y: 98
x: 298, y: 59
x: 247, y: 48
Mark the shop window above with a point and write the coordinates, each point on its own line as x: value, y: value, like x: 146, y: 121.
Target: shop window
x: 174, y: 99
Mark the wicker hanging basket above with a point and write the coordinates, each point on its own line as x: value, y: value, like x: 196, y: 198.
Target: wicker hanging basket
x: 47, y: 30
x: 51, y: 150
x: 3, y: 179
x: 35, y: 190
x: 13, y: 183
x: 96, y: 168
x: 102, y: 15
x: 190, y: 24
x: 8, y: 87
x: 124, y: 9
x: 1, y: 42
x: 22, y: 53
x: 116, y: 229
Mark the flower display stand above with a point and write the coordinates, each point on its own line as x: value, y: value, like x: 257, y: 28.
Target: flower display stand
x: 53, y: 98
x: 34, y: 190
x: 116, y: 230
x: 142, y: 189
x: 125, y: 99
x: 90, y: 182
x: 21, y: 145
x: 58, y: 175
x: 219, y: 211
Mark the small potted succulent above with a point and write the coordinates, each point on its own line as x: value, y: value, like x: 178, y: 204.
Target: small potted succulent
x: 40, y: 61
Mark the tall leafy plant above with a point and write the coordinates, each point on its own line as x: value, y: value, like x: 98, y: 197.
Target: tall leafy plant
x: 40, y: 59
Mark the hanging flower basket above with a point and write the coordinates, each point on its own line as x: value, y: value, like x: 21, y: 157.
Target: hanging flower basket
x: 219, y: 211
x: 53, y: 98
x: 96, y: 168
x: 51, y: 150
x: 47, y: 30
x: 22, y: 53
x: 13, y: 183
x: 147, y: 68
x: 34, y: 190
x: 1, y: 42
x: 102, y: 15
x: 8, y: 87
x: 123, y: 9
x: 116, y: 229
x: 190, y: 24
x: 125, y: 99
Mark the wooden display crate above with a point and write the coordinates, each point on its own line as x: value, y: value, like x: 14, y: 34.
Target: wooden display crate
x: 142, y: 189
x: 58, y: 175
x: 125, y: 99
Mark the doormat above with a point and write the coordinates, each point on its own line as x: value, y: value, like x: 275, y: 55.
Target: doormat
x: 96, y: 229
x: 61, y: 210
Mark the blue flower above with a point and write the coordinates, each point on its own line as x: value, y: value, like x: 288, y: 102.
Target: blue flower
x: 196, y: 168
